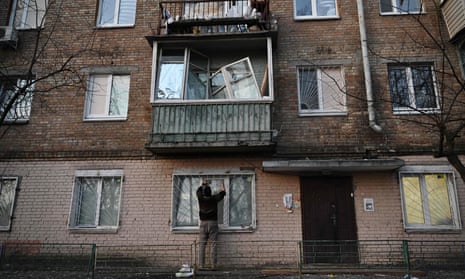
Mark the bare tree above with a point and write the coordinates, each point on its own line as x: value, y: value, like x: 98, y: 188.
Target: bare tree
x: 439, y: 107
x: 45, y: 58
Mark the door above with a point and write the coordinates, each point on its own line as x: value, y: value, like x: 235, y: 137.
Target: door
x: 328, y: 217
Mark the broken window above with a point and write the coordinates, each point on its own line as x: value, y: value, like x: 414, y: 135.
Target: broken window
x: 184, y: 74
x: 235, y: 212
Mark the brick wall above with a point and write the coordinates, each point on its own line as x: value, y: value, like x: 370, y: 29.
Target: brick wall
x: 43, y: 203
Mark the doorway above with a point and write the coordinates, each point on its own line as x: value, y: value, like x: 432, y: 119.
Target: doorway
x: 328, y: 220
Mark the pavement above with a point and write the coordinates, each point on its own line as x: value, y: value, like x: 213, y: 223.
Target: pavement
x: 230, y: 275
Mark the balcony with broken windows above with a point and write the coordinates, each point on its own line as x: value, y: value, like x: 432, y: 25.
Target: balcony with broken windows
x: 212, y: 93
x: 200, y: 17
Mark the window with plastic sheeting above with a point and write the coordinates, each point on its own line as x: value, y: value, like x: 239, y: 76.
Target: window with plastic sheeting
x: 96, y: 199
x: 8, y: 187
x: 236, y: 212
x: 429, y: 200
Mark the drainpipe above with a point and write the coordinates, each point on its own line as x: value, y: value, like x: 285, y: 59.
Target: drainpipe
x: 366, y: 69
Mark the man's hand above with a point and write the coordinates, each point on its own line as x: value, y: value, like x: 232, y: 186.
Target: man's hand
x: 222, y: 187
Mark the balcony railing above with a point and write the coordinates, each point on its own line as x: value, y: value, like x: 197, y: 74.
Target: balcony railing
x: 228, y: 127
x: 215, y: 16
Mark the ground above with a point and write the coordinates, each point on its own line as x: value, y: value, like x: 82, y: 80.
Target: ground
x: 223, y: 274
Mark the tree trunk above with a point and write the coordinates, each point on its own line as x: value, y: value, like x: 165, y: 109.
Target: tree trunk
x: 454, y: 160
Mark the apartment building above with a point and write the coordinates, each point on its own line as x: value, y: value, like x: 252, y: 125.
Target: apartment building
x: 316, y: 116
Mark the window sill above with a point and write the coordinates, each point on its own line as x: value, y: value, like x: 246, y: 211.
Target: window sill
x: 105, y: 119
x: 433, y: 230
x: 416, y: 112
x: 196, y: 231
x: 94, y: 230
x: 114, y: 26
x: 322, y: 113
x: 401, y: 13
x: 312, y: 18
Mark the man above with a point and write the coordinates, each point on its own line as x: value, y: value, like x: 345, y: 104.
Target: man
x: 208, y: 214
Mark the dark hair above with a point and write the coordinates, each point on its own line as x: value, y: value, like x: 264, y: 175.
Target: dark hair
x: 206, y: 190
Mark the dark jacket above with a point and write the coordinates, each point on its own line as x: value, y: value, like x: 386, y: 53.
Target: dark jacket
x: 208, y: 204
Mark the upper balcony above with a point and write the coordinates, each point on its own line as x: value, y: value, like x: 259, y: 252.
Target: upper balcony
x: 200, y: 17
x: 454, y: 15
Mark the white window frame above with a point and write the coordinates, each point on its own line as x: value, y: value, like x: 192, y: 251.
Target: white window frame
x: 340, y: 84
x: 452, y: 191
x: 216, y: 177
x: 412, y: 108
x: 20, y: 112
x: 116, y: 15
x: 75, y: 199
x: 15, y: 180
x: 314, y: 4
x: 23, y: 15
x: 88, y: 116
x: 397, y: 11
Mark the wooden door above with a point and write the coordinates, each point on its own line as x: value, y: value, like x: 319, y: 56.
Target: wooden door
x: 328, y: 217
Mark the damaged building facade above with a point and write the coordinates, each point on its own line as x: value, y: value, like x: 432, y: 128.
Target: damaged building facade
x: 316, y: 116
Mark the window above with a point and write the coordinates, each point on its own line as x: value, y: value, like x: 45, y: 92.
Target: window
x: 185, y: 74
x: 7, y: 198
x: 321, y: 91
x: 462, y: 57
x: 308, y: 9
x: 30, y: 14
x: 19, y: 92
x: 400, y: 6
x: 429, y: 198
x: 235, y: 212
x: 107, y: 97
x: 413, y: 88
x: 116, y: 13
x: 96, y: 199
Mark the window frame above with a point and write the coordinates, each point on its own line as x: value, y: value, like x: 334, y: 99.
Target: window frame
x: 105, y: 116
x: 13, y: 200
x: 22, y: 20
x: 412, y: 100
x: 23, y: 104
x: 315, y: 8
x: 396, y: 11
x: 322, y: 111
x: 75, y: 208
x: 116, y: 15
x: 421, y: 171
x: 226, y: 177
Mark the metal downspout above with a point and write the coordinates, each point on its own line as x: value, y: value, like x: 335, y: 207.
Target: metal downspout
x: 366, y: 69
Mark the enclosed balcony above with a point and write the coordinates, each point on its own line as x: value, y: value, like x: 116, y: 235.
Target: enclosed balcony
x: 454, y: 16
x: 212, y: 93
x: 214, y: 16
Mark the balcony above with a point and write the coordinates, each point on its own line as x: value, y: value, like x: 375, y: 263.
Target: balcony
x: 211, y: 127
x: 212, y: 77
x: 454, y: 15
x: 202, y: 17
